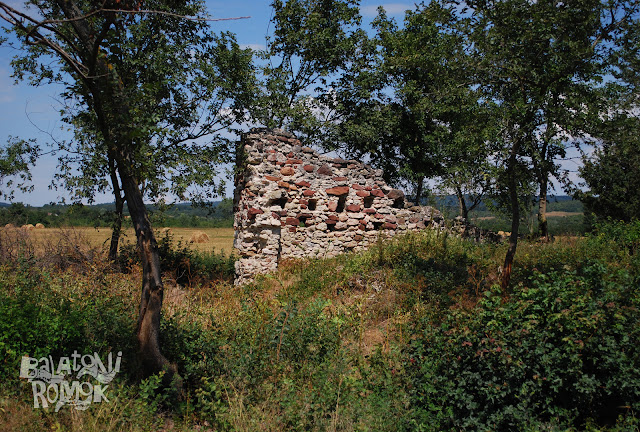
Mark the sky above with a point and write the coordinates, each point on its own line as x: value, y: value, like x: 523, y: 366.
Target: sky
x: 33, y: 112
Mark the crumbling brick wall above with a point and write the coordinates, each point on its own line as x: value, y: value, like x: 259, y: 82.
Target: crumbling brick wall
x: 290, y: 202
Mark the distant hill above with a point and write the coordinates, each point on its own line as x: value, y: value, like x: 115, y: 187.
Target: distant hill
x: 563, y: 203
x: 216, y: 214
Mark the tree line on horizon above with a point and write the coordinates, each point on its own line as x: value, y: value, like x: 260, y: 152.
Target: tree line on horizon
x: 218, y: 214
x: 483, y: 97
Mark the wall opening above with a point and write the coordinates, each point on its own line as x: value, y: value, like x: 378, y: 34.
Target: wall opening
x: 279, y: 202
x: 312, y: 204
x: 341, y: 202
x: 368, y: 201
x: 398, y: 203
x: 377, y: 225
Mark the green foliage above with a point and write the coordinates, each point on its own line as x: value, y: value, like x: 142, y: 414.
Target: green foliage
x: 175, y: 81
x: 16, y: 158
x: 625, y: 236
x: 101, y: 215
x: 409, y: 335
x: 185, y: 264
x: 611, y: 173
x: 312, y: 41
x: 559, y: 350
x: 40, y: 316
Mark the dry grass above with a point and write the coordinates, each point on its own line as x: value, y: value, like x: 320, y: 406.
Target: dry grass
x: 219, y: 238
x: 562, y: 214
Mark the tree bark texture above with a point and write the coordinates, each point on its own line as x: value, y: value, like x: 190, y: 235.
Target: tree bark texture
x: 419, y: 186
x: 543, y: 229
x: 116, y: 226
x: 464, y: 212
x: 148, y: 329
x: 515, y: 217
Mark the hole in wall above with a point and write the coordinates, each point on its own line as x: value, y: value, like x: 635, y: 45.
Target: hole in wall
x: 377, y: 225
x: 279, y: 202
x: 398, y: 203
x: 368, y: 201
x: 312, y: 204
x: 303, y: 220
x: 341, y: 202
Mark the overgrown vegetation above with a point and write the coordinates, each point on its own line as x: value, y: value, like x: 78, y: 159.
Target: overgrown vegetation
x: 414, y: 334
x: 185, y: 264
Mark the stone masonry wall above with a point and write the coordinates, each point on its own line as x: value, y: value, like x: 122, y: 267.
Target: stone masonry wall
x: 290, y: 202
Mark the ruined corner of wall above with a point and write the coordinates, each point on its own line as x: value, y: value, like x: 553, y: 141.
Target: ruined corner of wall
x: 291, y: 202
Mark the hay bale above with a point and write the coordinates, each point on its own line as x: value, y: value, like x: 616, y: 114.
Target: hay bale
x: 39, y: 226
x: 199, y: 237
x: 28, y: 227
x: 9, y: 226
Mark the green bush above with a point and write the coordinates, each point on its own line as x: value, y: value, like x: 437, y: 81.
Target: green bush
x: 626, y: 235
x: 559, y: 352
x: 186, y: 265
x: 40, y: 315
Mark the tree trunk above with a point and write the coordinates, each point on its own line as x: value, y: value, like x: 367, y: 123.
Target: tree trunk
x: 515, y: 218
x: 419, y: 187
x: 148, y: 329
x: 543, y: 229
x: 116, y: 226
x: 110, y: 103
x: 462, y: 204
x: 116, y: 230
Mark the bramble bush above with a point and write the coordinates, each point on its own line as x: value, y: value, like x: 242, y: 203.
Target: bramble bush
x: 562, y: 350
x: 409, y: 335
x: 186, y: 265
x: 625, y: 236
x: 44, y: 314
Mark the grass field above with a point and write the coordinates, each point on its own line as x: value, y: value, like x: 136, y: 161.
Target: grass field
x: 219, y: 238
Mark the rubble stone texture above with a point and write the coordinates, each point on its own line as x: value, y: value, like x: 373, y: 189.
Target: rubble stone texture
x: 290, y: 202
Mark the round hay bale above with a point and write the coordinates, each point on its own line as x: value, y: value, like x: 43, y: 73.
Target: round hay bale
x: 39, y: 226
x: 199, y: 237
x: 9, y: 226
x: 28, y: 227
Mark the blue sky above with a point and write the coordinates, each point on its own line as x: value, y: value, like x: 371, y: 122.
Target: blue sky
x: 33, y: 112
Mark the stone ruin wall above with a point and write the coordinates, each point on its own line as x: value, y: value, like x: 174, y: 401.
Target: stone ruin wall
x: 291, y: 202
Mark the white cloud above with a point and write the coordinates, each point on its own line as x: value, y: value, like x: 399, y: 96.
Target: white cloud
x: 254, y: 47
x: 390, y: 9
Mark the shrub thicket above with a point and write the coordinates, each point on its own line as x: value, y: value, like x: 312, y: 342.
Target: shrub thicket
x: 185, y: 265
x: 411, y: 335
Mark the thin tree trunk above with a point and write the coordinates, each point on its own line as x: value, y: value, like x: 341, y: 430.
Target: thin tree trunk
x: 515, y: 221
x: 464, y: 212
x: 116, y: 226
x: 116, y: 230
x: 148, y: 329
x: 112, y: 110
x: 543, y: 229
x: 419, y: 190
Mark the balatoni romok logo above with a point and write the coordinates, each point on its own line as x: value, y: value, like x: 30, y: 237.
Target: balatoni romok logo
x: 69, y: 381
